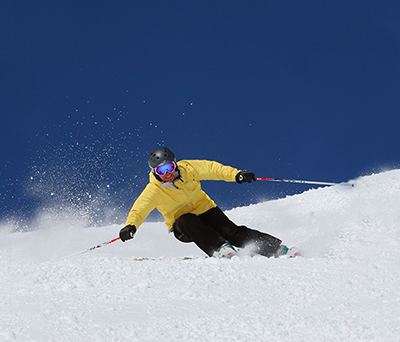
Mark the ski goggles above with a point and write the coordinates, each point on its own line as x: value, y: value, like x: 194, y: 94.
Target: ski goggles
x: 163, y: 169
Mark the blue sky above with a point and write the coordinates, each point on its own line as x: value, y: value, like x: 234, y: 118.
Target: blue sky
x: 287, y: 89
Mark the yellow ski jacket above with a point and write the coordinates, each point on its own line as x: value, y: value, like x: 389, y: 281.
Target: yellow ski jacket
x: 182, y: 196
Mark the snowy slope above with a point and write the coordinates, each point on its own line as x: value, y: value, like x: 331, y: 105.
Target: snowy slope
x: 344, y: 288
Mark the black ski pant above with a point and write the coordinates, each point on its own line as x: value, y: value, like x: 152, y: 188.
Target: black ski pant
x: 211, y: 229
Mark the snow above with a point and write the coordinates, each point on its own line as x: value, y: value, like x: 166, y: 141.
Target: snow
x: 345, y: 287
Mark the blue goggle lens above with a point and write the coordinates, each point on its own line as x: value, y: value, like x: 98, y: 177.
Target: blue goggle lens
x: 162, y: 170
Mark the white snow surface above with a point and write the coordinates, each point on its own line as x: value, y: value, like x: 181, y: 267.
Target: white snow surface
x: 344, y: 287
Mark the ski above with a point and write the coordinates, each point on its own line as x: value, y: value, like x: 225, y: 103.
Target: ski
x: 164, y: 258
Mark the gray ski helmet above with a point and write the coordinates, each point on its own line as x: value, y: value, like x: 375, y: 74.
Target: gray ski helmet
x: 161, y: 156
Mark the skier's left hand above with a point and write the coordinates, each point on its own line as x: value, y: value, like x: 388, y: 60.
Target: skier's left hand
x: 245, y: 176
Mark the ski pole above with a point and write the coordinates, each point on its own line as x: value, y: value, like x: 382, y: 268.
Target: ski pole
x: 298, y: 181
x: 101, y: 245
x: 92, y: 248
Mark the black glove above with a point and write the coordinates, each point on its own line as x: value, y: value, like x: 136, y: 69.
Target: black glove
x: 245, y: 176
x: 127, y: 233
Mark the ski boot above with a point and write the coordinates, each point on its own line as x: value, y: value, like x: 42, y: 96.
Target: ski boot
x: 289, y: 252
x: 226, y: 251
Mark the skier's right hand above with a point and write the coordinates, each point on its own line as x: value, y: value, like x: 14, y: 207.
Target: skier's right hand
x: 127, y: 233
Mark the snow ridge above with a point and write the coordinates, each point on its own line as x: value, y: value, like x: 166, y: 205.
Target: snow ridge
x: 344, y: 288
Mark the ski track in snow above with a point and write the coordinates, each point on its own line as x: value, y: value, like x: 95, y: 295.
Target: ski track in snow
x: 345, y: 287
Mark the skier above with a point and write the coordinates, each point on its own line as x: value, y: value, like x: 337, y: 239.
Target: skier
x: 190, y: 214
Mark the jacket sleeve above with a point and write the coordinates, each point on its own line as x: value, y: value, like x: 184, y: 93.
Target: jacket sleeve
x: 142, y: 207
x: 212, y: 170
